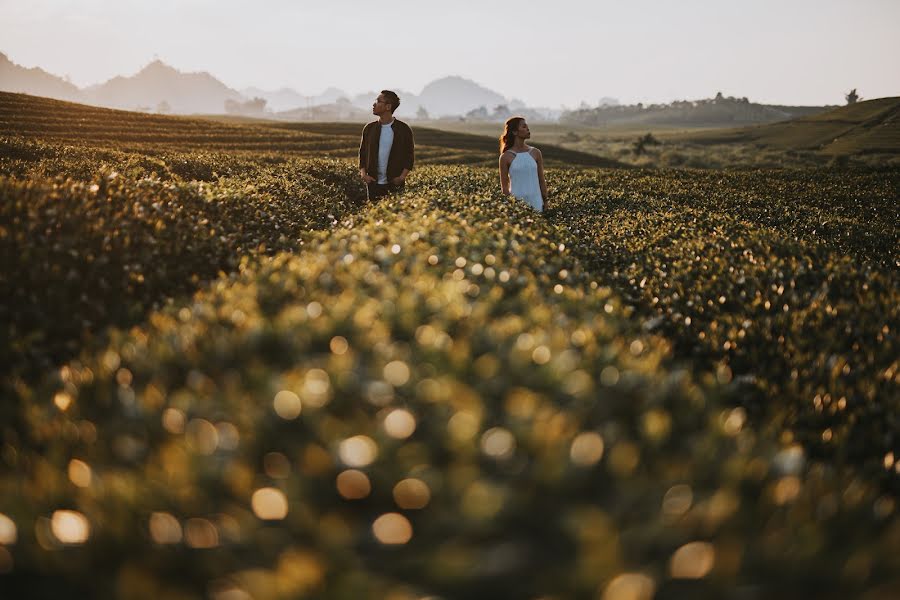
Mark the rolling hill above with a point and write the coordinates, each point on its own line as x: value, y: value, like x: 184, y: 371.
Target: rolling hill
x: 158, y: 85
x: 869, y: 127
x: 688, y: 114
x: 24, y: 116
x: 16, y: 78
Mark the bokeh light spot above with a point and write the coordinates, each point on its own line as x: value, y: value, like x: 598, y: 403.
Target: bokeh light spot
x: 630, y: 586
x: 678, y: 500
x: 269, y: 504
x: 8, y: 532
x: 202, y: 436
x: 400, y: 423
x: 392, y: 529
x: 79, y: 473
x: 586, y: 449
x: 462, y: 426
x: 358, y: 451
x: 70, y: 527
x: 164, y: 528
x: 692, y: 561
x: 353, y: 485
x: 201, y: 534
x: 276, y: 465
x: 412, y: 494
x: 498, y: 443
x: 173, y: 421
x: 339, y: 345
x: 287, y: 405
x: 62, y: 400
x: 316, y: 391
x: 396, y: 373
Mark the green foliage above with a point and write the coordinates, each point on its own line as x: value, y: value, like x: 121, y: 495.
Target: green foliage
x: 79, y: 256
x: 467, y: 313
x: 640, y: 146
x: 677, y: 381
x: 51, y: 121
x: 789, y: 280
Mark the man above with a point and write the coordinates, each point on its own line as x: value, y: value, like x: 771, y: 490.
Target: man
x: 386, y: 151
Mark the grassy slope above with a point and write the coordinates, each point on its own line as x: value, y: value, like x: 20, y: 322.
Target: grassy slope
x: 820, y: 244
x: 32, y: 117
x: 504, y: 330
x: 872, y: 126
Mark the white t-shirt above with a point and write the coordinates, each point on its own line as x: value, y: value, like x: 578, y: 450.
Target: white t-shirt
x: 384, y: 150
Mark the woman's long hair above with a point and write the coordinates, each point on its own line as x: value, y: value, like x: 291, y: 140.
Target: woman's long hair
x: 509, y: 133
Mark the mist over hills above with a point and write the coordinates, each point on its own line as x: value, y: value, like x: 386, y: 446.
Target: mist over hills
x: 161, y: 88
x: 35, y: 81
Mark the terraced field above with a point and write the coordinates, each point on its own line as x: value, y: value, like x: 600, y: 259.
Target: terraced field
x: 28, y: 117
x: 228, y: 376
x: 870, y: 127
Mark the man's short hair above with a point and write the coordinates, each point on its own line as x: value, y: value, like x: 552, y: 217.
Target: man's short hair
x: 392, y: 98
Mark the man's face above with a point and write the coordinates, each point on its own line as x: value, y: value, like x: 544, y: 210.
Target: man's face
x: 380, y: 106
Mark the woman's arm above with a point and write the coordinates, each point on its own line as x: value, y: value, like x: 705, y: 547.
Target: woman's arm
x: 504, y: 175
x: 543, y: 183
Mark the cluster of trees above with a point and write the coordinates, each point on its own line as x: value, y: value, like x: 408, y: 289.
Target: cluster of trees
x: 256, y: 106
x: 501, y: 112
x: 720, y: 110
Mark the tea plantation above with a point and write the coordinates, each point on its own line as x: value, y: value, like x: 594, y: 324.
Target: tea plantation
x: 226, y: 375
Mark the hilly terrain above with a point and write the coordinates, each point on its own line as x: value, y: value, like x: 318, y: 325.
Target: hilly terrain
x: 711, y: 112
x: 161, y: 88
x: 865, y: 133
x: 226, y: 375
x: 28, y: 117
x: 868, y: 127
x: 35, y: 81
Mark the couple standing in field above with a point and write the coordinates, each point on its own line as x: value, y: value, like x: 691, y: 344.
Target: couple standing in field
x: 387, y: 152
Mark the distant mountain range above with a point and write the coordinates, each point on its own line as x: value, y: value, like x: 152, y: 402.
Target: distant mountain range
x: 446, y: 97
x: 161, y: 88
x: 35, y: 81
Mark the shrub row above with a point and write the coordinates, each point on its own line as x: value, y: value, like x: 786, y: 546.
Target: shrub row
x: 437, y: 399
x: 79, y: 256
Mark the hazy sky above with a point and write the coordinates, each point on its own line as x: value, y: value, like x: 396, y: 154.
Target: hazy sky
x: 545, y: 52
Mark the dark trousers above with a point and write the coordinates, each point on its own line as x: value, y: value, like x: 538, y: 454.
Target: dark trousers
x: 374, y: 191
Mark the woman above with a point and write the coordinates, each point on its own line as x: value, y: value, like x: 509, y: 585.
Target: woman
x: 522, y: 166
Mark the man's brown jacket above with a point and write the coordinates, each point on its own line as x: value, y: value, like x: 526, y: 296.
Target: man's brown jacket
x: 402, y: 150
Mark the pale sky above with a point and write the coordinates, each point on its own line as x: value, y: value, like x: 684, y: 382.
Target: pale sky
x: 544, y: 52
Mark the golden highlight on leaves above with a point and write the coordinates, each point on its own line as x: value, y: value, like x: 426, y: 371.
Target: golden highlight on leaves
x: 269, y: 504
x: 692, y: 561
x: 586, y: 449
x: 8, y: 531
x: 70, y: 527
x: 392, y: 529
x: 353, y: 485
x: 630, y: 586
x: 358, y: 451
x: 165, y: 528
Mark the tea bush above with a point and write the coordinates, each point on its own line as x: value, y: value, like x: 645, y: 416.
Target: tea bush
x: 672, y: 384
x: 80, y: 256
x: 436, y: 398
